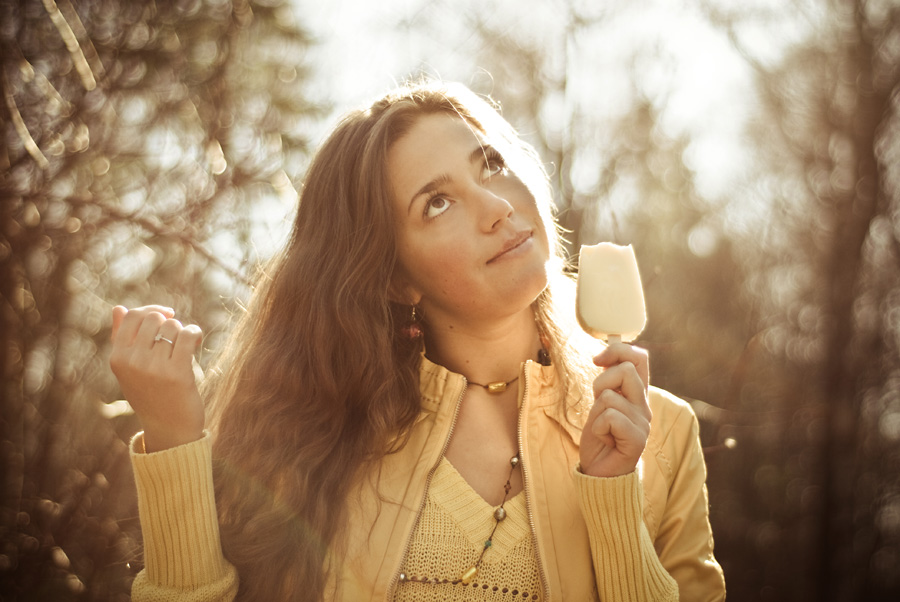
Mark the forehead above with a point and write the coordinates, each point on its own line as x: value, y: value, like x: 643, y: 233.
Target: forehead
x: 432, y: 146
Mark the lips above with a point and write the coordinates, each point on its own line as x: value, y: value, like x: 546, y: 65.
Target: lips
x: 512, y: 244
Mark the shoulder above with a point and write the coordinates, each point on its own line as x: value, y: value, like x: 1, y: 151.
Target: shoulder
x: 670, y: 451
x: 670, y: 412
x: 673, y: 429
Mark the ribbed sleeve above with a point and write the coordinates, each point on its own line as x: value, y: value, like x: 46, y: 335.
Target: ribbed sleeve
x: 625, y: 562
x: 182, y: 552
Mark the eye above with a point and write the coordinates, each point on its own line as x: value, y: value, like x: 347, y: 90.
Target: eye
x: 492, y: 169
x: 435, y: 206
x: 493, y: 163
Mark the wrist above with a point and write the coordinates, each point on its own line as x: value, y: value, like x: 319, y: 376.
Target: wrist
x: 601, y: 471
x: 156, y: 440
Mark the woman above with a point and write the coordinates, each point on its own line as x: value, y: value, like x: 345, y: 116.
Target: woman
x: 403, y: 413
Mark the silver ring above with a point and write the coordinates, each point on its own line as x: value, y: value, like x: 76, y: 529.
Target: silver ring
x: 160, y: 337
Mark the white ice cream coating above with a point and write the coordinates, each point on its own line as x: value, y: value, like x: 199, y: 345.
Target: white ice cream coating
x: 610, y: 299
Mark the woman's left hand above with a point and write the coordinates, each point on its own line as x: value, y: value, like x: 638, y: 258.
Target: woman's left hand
x: 618, y: 425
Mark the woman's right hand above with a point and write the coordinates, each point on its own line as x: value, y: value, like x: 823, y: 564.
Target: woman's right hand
x: 156, y: 375
x: 618, y: 425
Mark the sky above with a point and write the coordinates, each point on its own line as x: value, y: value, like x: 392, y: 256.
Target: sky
x: 666, y: 50
x: 368, y: 46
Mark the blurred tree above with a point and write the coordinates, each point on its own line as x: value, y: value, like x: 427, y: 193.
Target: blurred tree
x: 148, y: 153
x: 825, y: 275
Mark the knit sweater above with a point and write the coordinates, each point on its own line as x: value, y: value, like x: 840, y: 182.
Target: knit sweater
x: 449, y: 537
x: 184, y: 555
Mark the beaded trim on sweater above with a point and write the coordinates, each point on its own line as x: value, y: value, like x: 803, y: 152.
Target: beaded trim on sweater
x: 450, y: 535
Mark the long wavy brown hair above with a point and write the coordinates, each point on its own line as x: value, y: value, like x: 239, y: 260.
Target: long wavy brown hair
x: 318, y: 381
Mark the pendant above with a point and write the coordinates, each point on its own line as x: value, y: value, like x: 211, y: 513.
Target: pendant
x: 495, y: 388
x: 469, y: 575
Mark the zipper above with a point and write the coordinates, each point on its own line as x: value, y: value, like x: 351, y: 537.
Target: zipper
x: 525, y: 483
x: 396, y: 578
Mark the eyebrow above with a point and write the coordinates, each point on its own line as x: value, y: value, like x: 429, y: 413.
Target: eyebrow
x: 480, y: 152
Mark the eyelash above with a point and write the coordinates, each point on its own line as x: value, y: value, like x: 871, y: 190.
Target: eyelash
x: 492, y: 157
x: 431, y: 198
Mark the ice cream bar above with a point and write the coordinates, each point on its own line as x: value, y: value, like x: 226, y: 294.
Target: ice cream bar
x: 610, y: 300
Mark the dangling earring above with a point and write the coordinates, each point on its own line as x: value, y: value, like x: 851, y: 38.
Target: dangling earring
x: 413, y: 329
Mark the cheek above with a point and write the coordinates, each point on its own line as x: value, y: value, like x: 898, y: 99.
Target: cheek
x: 544, y: 227
x: 434, y: 266
x: 440, y: 268
x: 527, y: 204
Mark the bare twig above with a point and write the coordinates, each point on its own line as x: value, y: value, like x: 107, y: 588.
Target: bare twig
x: 21, y: 129
x: 72, y: 44
x: 90, y: 53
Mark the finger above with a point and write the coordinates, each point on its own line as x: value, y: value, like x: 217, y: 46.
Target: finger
x: 188, y: 341
x: 611, y: 400
x: 148, y: 329
x: 624, y: 378
x: 602, y: 431
x: 615, y: 429
x: 118, y: 314
x: 166, y: 338
x: 596, y: 407
x: 618, y: 352
x: 133, y: 319
x: 634, y: 391
x: 599, y: 426
x: 622, y: 352
x: 614, y: 377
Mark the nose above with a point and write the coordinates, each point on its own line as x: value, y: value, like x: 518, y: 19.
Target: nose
x: 493, y: 210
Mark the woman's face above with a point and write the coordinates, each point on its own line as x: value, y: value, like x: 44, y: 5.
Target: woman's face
x: 471, y: 241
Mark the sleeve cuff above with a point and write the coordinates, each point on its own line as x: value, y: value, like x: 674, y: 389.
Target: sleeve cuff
x: 177, y: 509
x: 625, y: 561
x: 612, y: 502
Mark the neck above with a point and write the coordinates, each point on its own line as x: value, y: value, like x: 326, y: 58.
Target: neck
x: 481, y: 352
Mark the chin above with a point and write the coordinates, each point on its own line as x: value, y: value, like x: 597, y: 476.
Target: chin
x: 538, y: 281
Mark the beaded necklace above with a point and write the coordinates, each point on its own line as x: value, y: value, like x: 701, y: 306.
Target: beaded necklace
x: 500, y: 513
x: 499, y: 516
x: 495, y: 388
